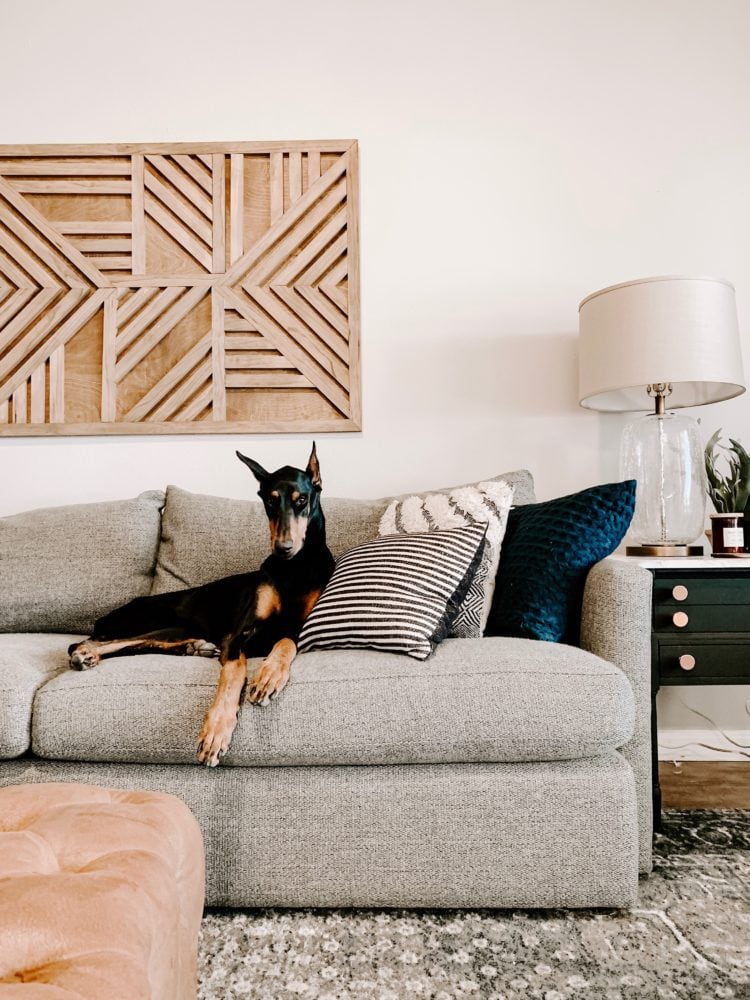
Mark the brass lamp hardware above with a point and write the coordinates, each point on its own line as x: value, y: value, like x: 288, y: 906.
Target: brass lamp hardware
x: 680, y: 619
x: 687, y: 661
x: 680, y: 592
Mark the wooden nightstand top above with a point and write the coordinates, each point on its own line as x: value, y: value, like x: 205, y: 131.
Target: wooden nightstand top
x: 688, y: 562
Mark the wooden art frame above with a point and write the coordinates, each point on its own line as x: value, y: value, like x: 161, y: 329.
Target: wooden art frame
x: 179, y: 288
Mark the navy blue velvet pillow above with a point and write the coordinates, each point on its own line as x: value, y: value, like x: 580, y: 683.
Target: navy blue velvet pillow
x: 547, y: 551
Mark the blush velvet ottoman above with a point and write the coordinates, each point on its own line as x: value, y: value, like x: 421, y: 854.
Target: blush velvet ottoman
x: 101, y: 894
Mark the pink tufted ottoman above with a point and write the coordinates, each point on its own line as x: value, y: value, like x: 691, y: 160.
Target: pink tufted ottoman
x: 101, y: 894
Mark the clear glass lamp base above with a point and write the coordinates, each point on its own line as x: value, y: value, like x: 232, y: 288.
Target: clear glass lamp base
x: 664, y: 454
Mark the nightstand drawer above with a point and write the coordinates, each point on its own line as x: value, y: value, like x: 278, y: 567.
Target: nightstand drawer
x: 690, y: 618
x: 704, y: 662
x: 685, y: 589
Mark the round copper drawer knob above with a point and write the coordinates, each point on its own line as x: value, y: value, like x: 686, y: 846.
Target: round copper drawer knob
x: 687, y: 661
x: 679, y: 592
x: 680, y: 619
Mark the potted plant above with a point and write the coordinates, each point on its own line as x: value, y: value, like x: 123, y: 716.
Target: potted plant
x: 730, y: 495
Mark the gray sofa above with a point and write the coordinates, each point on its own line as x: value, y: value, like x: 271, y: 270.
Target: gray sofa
x: 500, y: 772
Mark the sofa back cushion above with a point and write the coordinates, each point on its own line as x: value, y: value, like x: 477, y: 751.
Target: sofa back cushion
x: 204, y: 538
x: 64, y: 567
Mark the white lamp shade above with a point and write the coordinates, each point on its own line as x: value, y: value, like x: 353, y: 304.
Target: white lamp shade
x: 680, y: 330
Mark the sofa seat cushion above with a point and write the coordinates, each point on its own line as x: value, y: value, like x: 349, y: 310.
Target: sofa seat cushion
x: 26, y: 662
x: 493, y: 700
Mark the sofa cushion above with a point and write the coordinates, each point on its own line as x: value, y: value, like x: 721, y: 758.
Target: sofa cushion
x: 474, y: 700
x: 204, y: 538
x: 64, y: 567
x: 26, y: 662
x: 486, y: 503
x: 547, y: 553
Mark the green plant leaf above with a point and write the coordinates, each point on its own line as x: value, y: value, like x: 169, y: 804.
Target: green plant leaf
x: 729, y: 492
x: 743, y: 474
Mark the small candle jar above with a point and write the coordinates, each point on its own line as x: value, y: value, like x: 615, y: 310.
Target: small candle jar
x: 727, y: 534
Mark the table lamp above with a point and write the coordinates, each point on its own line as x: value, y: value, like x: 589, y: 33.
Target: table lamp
x: 649, y: 344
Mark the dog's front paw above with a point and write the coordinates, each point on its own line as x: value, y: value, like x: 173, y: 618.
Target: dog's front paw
x: 83, y: 655
x: 215, y: 736
x: 269, y: 679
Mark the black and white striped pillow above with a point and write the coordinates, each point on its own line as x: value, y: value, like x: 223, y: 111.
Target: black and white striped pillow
x: 398, y: 593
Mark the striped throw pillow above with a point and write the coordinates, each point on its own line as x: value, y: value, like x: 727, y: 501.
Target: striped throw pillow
x: 398, y: 594
x: 487, y: 503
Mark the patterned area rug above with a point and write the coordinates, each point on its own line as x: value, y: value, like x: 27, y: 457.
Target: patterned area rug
x: 688, y: 937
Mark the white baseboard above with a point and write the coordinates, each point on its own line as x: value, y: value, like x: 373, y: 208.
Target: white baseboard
x: 704, y: 744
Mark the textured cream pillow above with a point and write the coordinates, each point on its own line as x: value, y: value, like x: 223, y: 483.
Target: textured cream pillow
x: 485, y: 503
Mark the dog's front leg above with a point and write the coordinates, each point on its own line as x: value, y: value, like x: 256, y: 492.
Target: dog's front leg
x: 272, y: 675
x: 221, y: 718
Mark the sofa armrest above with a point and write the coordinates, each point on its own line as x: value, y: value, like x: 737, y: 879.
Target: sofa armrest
x: 616, y: 625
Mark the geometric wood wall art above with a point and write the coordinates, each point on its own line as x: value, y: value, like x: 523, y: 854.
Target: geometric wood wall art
x: 179, y: 288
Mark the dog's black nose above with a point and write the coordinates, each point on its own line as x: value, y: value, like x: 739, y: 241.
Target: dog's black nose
x: 284, y: 548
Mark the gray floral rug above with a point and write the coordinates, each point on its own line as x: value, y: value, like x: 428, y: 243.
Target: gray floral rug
x: 688, y: 937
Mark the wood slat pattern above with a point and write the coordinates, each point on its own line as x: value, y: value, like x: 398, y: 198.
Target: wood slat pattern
x: 179, y: 288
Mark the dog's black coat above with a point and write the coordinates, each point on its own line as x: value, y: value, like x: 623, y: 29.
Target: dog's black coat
x: 224, y: 612
x: 258, y: 614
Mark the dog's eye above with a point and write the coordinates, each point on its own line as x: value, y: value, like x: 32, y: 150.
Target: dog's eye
x: 301, y: 501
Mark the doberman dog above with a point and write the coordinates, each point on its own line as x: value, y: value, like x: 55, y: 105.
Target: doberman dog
x: 256, y: 614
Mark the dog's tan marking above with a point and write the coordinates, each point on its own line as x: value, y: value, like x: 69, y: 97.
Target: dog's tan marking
x: 309, y: 601
x: 273, y: 527
x: 272, y: 675
x: 221, y: 718
x: 275, y: 493
x: 297, y: 532
x: 267, y: 601
x: 296, y: 495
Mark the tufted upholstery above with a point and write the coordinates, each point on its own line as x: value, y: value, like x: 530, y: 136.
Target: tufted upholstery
x: 101, y: 894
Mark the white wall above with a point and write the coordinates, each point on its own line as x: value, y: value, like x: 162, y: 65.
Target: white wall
x: 514, y: 157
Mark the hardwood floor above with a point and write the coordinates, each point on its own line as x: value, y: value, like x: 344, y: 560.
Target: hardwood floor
x: 705, y: 784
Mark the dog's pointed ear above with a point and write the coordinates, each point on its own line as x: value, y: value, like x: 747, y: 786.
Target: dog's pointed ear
x: 255, y: 467
x: 313, y: 468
